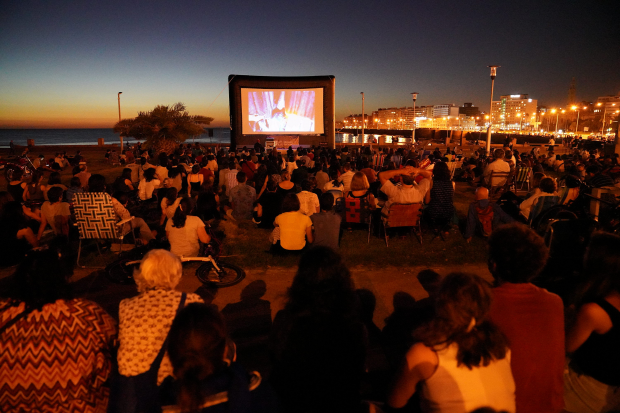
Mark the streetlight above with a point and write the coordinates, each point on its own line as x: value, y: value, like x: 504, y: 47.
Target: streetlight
x: 119, y: 119
x: 493, y: 74
x: 363, y: 118
x: 520, y: 122
x: 414, y: 96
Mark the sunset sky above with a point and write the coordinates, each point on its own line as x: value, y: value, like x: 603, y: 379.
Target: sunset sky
x: 62, y: 63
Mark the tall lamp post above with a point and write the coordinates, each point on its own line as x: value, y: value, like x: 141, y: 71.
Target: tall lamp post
x: 119, y: 119
x: 557, y: 118
x: 414, y: 96
x: 493, y: 74
x: 363, y: 117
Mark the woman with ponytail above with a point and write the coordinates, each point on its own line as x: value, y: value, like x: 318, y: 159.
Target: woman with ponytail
x: 203, y: 359
x: 185, y: 232
x: 461, y: 361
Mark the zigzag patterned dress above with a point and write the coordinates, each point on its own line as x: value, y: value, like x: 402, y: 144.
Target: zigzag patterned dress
x: 56, y: 359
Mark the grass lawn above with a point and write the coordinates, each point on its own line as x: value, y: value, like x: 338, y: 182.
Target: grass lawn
x: 247, y: 245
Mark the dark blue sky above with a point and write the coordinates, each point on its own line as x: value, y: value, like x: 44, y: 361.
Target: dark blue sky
x: 62, y: 63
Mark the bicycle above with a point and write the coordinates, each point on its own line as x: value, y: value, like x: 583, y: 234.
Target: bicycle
x: 212, y: 273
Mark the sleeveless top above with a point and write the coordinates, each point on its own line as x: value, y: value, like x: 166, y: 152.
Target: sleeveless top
x: 196, y: 186
x: 441, y: 205
x: 16, y: 191
x: 599, y: 357
x: 34, y: 191
x: 455, y: 388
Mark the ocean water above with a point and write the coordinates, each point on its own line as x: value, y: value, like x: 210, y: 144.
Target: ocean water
x: 91, y: 136
x: 87, y: 136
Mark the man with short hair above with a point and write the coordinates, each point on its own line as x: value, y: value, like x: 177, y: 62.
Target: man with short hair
x: 242, y: 198
x: 531, y: 318
x: 498, y: 165
x: 407, y: 193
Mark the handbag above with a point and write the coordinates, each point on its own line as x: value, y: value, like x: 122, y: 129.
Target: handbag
x: 140, y: 393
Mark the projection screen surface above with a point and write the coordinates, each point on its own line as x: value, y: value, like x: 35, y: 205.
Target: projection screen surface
x: 282, y: 111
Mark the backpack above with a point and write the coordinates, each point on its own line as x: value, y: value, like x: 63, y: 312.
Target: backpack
x: 485, y: 216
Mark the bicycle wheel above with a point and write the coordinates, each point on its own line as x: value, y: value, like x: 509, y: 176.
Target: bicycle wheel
x: 229, y: 275
x: 119, y: 272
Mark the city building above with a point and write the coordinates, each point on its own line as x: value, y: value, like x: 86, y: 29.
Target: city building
x: 514, y: 112
x: 448, y: 109
x: 468, y: 109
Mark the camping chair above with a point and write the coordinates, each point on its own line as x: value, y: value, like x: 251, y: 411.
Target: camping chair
x: 403, y: 215
x: 542, y: 204
x: 499, y: 182
x: 95, y: 218
x: 356, y: 211
x: 523, y: 178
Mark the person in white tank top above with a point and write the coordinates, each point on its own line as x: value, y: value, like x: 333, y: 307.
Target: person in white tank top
x: 461, y: 361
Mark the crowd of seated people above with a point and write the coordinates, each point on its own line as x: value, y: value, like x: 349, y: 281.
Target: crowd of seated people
x: 470, y: 345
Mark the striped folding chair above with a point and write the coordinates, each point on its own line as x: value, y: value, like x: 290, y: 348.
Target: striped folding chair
x: 522, y: 178
x: 95, y: 219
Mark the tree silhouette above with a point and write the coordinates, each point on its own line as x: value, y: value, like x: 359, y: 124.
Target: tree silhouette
x: 164, y: 127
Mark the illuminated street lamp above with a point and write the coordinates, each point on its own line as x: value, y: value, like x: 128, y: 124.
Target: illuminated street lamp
x: 520, y: 122
x: 414, y: 96
x: 493, y: 74
x: 119, y: 119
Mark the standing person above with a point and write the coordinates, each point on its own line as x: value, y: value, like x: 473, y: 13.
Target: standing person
x: 532, y: 318
x: 440, y: 197
x: 55, y: 349
x: 592, y: 380
x: 242, y: 198
x: 461, y: 361
x: 327, y: 224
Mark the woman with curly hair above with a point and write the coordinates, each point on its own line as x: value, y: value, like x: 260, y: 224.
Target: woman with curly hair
x: 460, y: 361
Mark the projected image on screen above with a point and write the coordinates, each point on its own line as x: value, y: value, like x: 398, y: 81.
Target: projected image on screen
x: 282, y: 111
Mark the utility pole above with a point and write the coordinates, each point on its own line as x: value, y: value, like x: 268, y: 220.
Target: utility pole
x: 493, y: 74
x: 119, y: 118
x: 363, y: 118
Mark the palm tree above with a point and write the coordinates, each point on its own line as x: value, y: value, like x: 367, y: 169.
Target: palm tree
x: 164, y: 127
